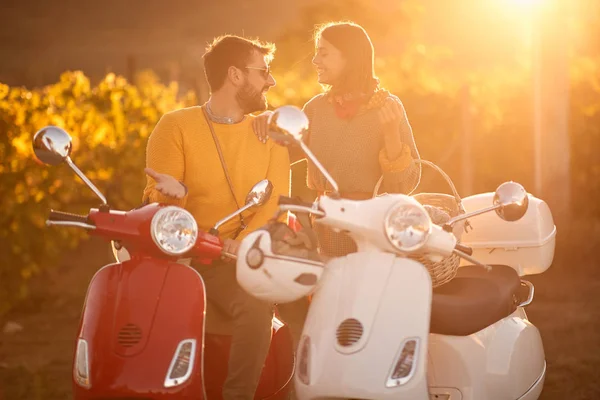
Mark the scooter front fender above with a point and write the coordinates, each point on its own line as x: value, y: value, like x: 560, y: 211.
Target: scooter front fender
x: 367, y: 305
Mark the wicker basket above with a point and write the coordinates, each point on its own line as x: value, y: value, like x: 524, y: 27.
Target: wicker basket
x: 441, y: 208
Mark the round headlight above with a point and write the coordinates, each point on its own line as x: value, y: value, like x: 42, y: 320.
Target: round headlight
x: 174, y: 230
x: 407, y: 227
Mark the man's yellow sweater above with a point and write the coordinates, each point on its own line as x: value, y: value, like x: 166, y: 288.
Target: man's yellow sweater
x: 182, y: 146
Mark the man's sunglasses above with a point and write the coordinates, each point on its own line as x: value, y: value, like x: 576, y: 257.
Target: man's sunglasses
x: 266, y: 71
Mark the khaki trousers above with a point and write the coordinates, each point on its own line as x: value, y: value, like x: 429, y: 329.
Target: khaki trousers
x: 252, y: 327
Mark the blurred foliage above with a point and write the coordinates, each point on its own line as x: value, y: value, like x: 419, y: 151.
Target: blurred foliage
x: 109, y: 124
x: 484, y: 118
x: 584, y: 129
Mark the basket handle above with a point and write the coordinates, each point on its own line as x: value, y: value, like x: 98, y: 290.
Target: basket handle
x: 438, y: 169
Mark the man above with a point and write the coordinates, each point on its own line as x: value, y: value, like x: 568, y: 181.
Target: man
x: 184, y: 168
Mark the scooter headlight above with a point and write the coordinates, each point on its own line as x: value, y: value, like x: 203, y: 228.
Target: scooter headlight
x: 407, y: 226
x: 174, y: 230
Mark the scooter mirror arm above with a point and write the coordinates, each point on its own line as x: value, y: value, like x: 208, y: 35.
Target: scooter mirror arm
x: 215, y: 229
x: 448, y: 225
x: 319, y: 166
x: 85, y: 180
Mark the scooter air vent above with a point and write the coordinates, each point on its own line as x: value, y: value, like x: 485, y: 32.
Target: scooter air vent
x: 349, y: 332
x: 129, y: 335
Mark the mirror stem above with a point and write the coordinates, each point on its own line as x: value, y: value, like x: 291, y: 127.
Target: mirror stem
x: 230, y: 216
x: 85, y: 180
x: 320, y: 167
x: 469, y: 215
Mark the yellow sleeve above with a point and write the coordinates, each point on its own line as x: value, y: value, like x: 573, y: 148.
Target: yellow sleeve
x: 165, y: 155
x: 394, y: 154
x: 401, y: 173
x: 279, y: 174
x: 399, y: 164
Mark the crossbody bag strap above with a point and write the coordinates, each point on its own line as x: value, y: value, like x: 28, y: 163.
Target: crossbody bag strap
x: 218, y: 146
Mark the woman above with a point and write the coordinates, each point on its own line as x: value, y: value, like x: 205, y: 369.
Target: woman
x: 358, y: 130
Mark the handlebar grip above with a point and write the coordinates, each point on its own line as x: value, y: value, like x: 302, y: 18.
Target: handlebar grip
x: 465, y: 249
x: 293, y: 201
x: 68, y: 217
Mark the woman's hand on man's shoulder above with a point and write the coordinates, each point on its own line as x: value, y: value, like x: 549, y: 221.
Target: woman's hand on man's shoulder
x: 260, y: 125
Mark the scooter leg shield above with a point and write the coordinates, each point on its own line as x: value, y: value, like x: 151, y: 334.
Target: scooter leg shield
x: 138, y: 316
x: 366, y: 331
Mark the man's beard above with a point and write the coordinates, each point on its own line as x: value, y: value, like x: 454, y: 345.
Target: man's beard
x: 250, y: 100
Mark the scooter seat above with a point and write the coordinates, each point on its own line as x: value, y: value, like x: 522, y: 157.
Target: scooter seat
x: 474, y: 299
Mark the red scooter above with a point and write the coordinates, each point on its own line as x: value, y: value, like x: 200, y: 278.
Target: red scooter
x: 144, y: 331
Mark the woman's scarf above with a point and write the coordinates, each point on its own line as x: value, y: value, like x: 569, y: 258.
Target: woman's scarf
x: 349, y: 105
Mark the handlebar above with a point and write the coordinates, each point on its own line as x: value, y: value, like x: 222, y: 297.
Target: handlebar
x: 61, y: 216
x: 231, y: 256
x: 464, y: 249
x: 67, y: 219
x: 296, y: 205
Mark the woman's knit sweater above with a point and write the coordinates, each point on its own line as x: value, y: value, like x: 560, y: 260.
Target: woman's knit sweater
x: 349, y: 150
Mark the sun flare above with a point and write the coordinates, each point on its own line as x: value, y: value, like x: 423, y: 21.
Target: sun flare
x: 524, y: 3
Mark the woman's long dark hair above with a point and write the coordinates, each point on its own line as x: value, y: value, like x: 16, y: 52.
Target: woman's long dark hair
x: 355, y: 45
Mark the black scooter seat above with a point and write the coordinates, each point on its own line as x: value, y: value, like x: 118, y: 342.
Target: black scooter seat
x: 474, y: 299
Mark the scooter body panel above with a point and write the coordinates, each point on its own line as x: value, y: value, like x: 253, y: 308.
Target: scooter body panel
x: 391, y: 297
x: 373, y: 289
x: 503, y: 361
x: 135, y: 315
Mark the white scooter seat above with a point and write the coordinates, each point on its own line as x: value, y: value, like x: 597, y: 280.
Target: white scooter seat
x: 474, y: 299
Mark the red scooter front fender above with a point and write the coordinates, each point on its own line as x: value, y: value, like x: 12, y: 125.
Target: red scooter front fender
x: 135, y: 316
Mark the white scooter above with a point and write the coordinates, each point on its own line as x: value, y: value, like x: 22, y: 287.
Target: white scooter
x: 378, y: 329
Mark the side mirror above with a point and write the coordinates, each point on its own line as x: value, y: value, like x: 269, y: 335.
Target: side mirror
x: 289, y: 125
x: 257, y: 196
x: 260, y: 193
x: 52, y: 146
x: 512, y: 201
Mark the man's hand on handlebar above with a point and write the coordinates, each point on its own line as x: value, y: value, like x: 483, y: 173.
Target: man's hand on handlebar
x: 230, y: 246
